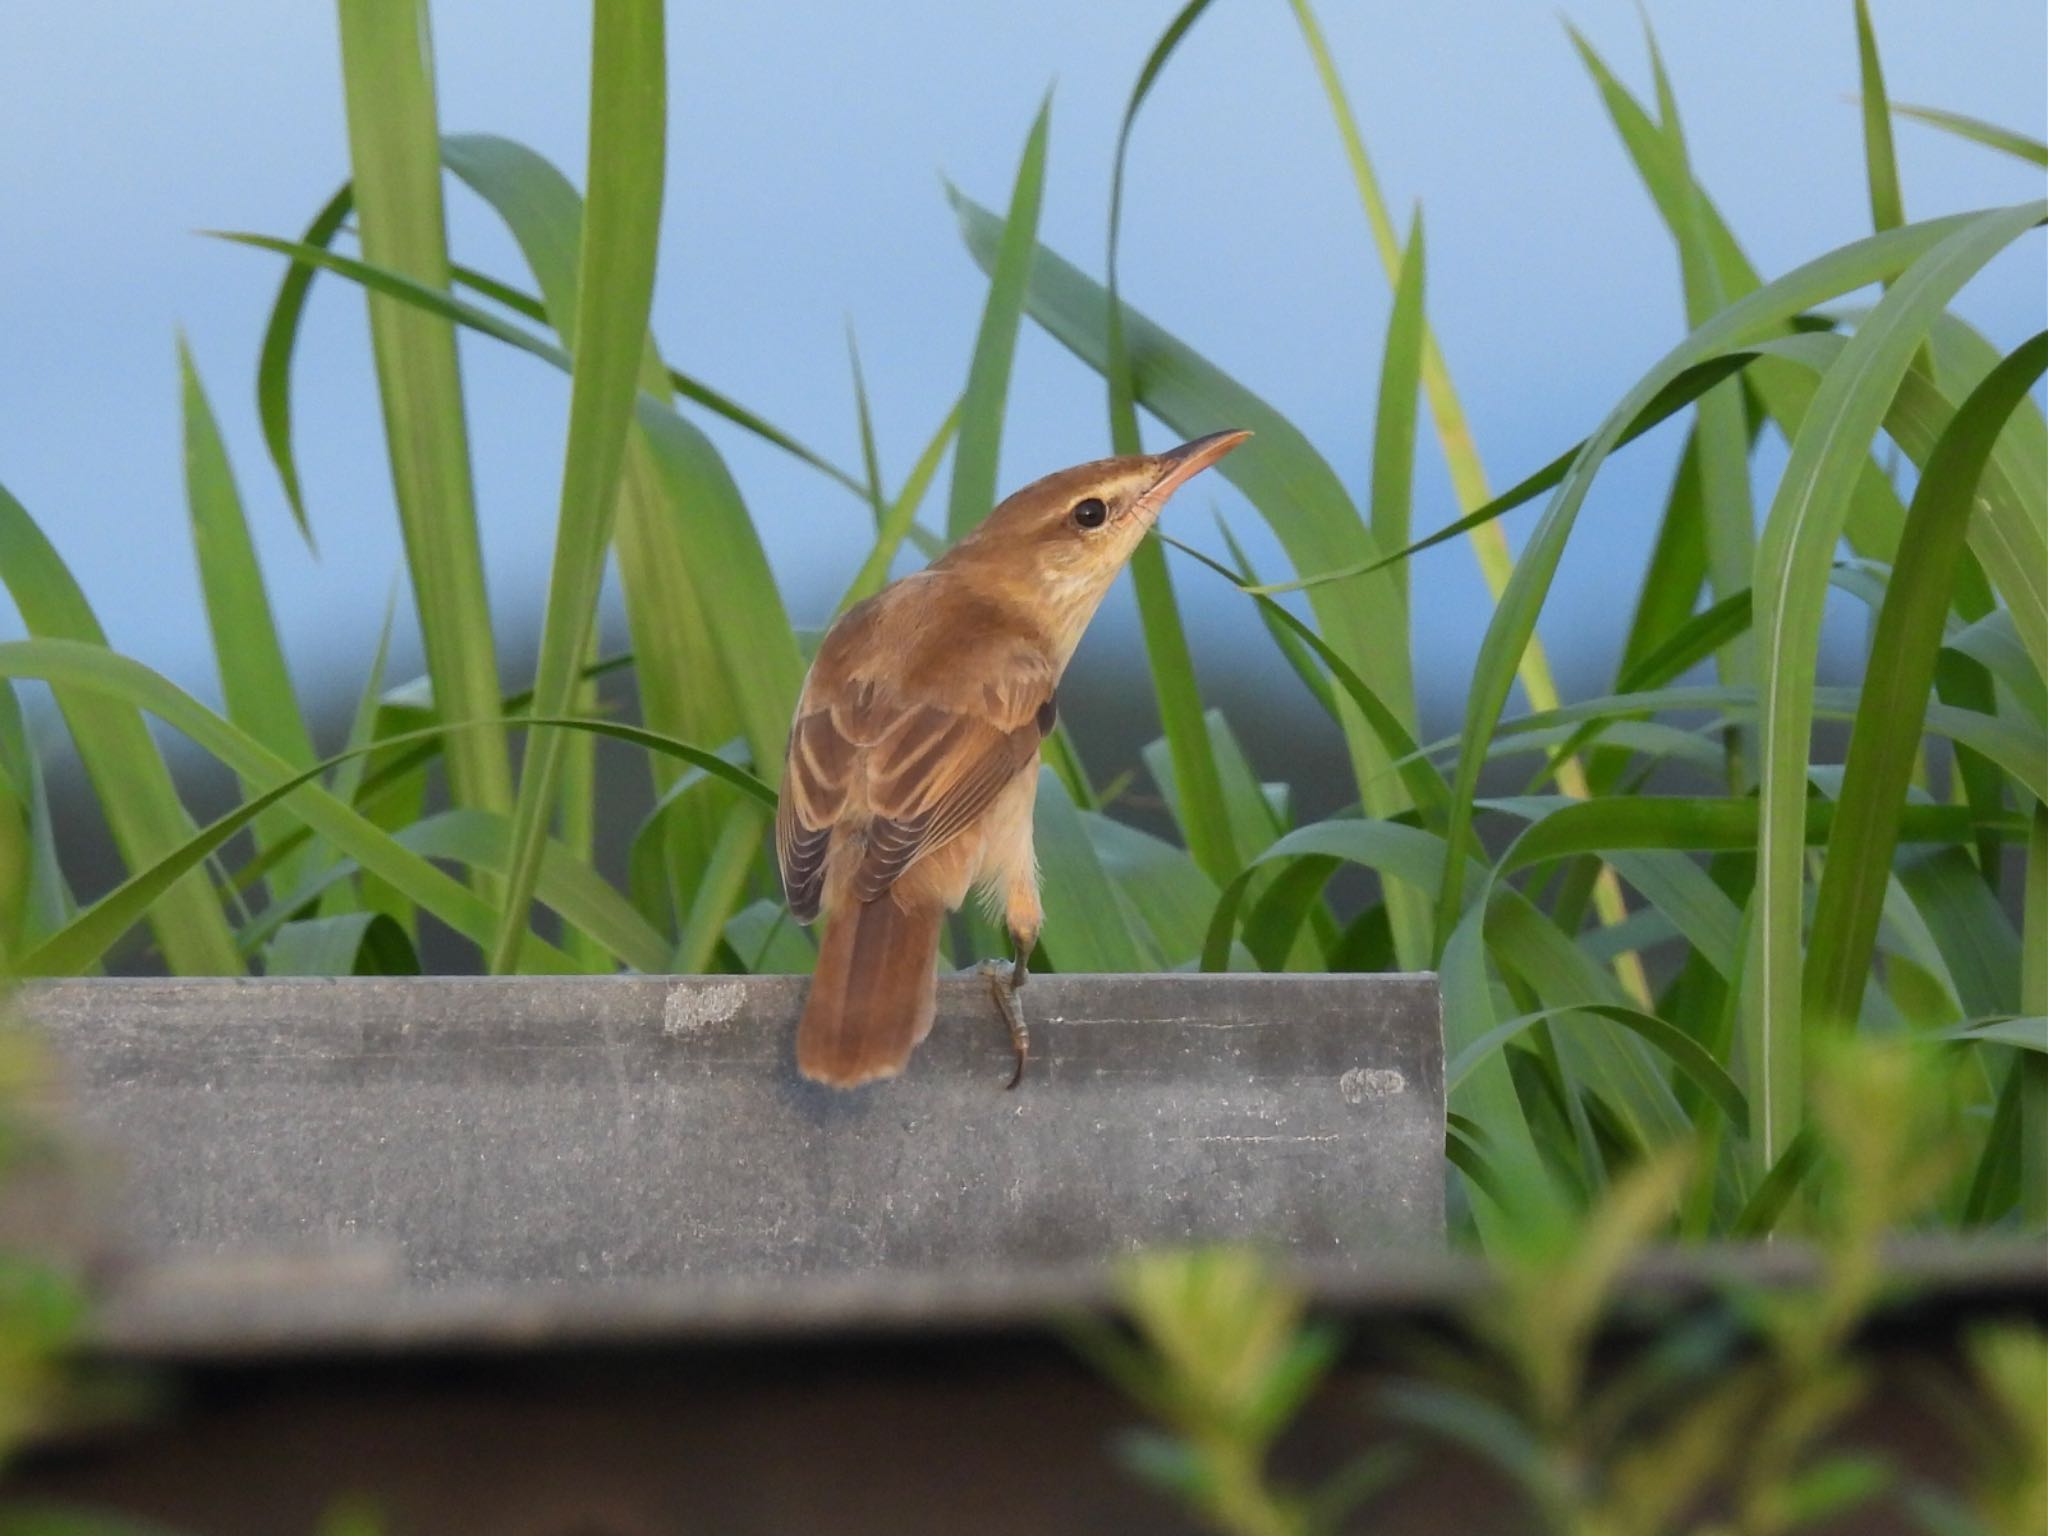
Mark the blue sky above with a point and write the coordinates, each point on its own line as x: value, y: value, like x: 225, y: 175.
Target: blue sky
x: 807, y: 145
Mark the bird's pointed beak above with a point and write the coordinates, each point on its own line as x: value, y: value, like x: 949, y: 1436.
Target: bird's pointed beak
x: 1182, y: 464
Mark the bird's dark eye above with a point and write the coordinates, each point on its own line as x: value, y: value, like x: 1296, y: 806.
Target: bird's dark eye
x: 1090, y: 513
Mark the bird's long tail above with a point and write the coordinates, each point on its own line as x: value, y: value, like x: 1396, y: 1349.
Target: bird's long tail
x: 873, y: 994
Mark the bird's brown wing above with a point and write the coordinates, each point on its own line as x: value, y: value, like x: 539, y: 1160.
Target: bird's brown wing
x: 917, y: 772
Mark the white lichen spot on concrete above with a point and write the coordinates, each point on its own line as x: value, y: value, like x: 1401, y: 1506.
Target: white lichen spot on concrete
x: 1362, y: 1083
x: 689, y: 1008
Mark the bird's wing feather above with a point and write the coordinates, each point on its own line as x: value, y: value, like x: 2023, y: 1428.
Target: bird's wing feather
x: 922, y: 770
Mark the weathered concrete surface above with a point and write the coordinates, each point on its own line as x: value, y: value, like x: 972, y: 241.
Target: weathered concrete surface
x: 448, y: 1134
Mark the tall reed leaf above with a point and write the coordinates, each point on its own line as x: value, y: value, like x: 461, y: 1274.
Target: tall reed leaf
x: 1900, y: 676
x: 255, y: 683
x: 1975, y: 129
x: 614, y: 294
x: 1204, y: 822
x: 395, y: 151
x: 995, y: 345
x: 1790, y: 586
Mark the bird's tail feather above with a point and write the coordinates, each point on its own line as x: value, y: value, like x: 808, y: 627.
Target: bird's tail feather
x: 874, y: 992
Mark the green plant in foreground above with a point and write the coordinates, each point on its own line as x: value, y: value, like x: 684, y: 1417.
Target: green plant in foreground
x: 1624, y: 970
x: 1727, y: 1420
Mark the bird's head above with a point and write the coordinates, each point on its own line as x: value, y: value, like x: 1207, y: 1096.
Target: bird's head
x: 1057, y: 545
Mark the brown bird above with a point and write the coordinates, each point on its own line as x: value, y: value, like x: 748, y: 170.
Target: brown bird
x: 913, y: 758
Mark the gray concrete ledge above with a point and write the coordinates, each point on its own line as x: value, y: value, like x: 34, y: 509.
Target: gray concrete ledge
x: 411, y: 1148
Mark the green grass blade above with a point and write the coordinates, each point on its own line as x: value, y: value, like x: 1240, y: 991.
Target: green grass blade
x: 1881, y: 164
x: 2033, y: 1080
x: 394, y: 151
x: 1977, y: 131
x: 1899, y: 677
x: 578, y: 894
x: 280, y: 340
x: 127, y: 772
x: 1682, y: 391
x: 1393, y: 437
x: 614, y: 294
x: 1289, y: 644
x: 39, y: 899
x: 256, y: 684
x: 1670, y: 589
x: 349, y: 944
x: 988, y: 375
x: 1086, y: 929
x: 1169, y: 897
x: 900, y: 515
x: 691, y: 388
x: 1204, y: 822
x: 1793, y: 556
x: 1683, y: 1052
x: 1721, y: 436
x: 871, y: 467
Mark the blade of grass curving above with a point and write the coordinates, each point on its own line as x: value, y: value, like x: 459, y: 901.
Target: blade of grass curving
x: 901, y: 514
x: 722, y: 888
x: 133, y: 787
x: 1679, y: 1048
x: 394, y: 151
x: 2033, y: 1070
x: 280, y: 340
x: 1677, y: 571
x: 995, y: 345
x: 1977, y: 131
x: 1086, y: 928
x: 1290, y: 484
x: 576, y: 815
x: 1393, y: 438
x: 1721, y: 434
x: 691, y: 388
x: 349, y: 944
x: 1899, y: 676
x: 1682, y: 391
x: 1204, y: 823
x: 1747, y: 320
x: 614, y: 295
x: 583, y: 898
x: 1881, y: 164
x: 256, y: 684
x: 1169, y: 895
x: 1290, y: 646
x: 1793, y: 556
x: 39, y: 897
x: 864, y: 417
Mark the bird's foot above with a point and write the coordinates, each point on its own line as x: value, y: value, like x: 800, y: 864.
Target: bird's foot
x: 1004, y: 978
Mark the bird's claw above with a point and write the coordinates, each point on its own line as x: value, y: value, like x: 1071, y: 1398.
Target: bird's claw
x: 1004, y: 978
